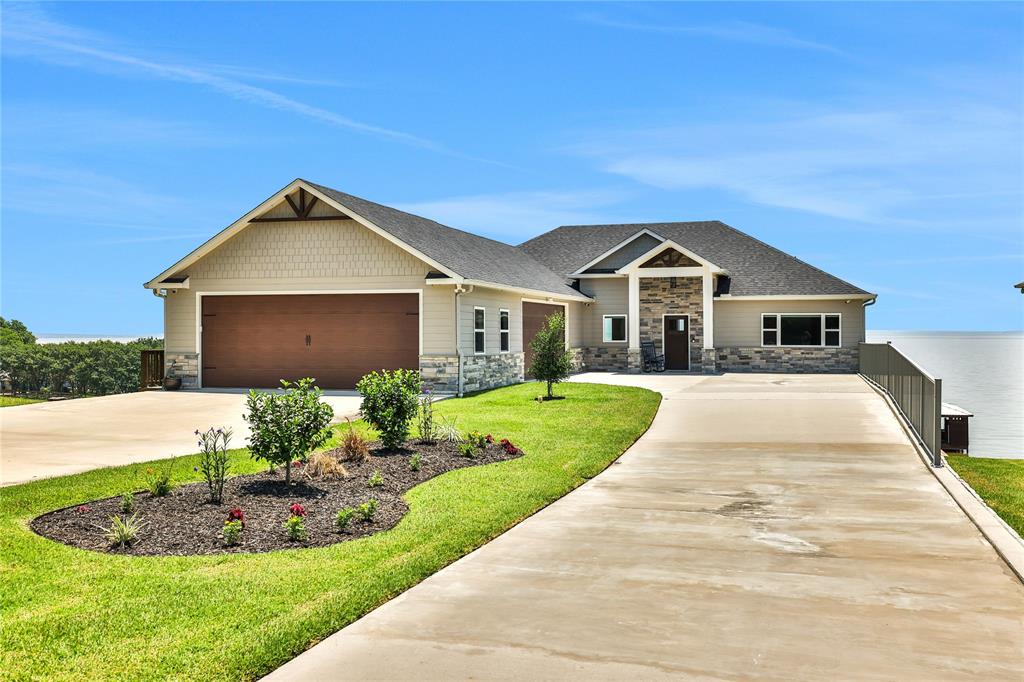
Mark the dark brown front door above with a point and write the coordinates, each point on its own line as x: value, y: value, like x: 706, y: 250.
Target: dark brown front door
x: 255, y: 341
x: 677, y: 342
x: 535, y: 316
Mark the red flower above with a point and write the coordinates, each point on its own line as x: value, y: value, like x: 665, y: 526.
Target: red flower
x: 236, y: 514
x: 297, y: 509
x: 509, y: 449
x: 82, y: 509
x: 297, y: 463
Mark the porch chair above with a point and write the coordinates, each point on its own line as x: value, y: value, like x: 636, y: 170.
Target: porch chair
x: 652, y: 361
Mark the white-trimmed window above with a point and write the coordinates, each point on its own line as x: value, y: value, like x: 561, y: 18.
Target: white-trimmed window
x: 614, y: 329
x: 479, y: 322
x: 503, y: 331
x: 815, y: 330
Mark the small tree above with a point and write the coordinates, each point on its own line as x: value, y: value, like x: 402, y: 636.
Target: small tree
x: 390, y: 403
x: 551, y: 361
x: 289, y: 426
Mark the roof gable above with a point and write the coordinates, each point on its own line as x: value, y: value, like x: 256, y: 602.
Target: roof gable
x: 755, y: 268
x: 459, y: 255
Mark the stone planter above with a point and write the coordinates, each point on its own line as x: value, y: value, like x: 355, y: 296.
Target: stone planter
x: 172, y: 383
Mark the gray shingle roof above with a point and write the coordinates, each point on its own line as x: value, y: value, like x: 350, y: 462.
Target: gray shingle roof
x: 755, y: 268
x: 469, y: 255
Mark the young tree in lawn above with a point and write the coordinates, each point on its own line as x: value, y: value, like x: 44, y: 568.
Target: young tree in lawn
x: 288, y: 427
x: 551, y: 361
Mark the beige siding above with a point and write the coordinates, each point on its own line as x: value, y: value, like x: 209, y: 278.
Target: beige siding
x: 738, y: 323
x: 492, y: 301
x: 612, y: 298
x: 315, y: 255
x: 574, y: 321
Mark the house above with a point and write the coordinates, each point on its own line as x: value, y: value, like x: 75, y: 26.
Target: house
x: 316, y: 282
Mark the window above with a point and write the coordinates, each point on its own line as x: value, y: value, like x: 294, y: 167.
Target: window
x: 503, y: 330
x: 801, y: 329
x: 479, y: 318
x: 614, y: 328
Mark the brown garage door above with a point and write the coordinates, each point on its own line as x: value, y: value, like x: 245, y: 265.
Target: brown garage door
x: 535, y: 316
x: 254, y: 341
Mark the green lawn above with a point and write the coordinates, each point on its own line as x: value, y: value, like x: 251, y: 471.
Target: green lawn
x: 1000, y: 482
x: 10, y: 401
x: 72, y: 614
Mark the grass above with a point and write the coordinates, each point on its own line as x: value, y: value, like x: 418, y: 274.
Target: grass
x: 11, y: 401
x: 1000, y: 482
x: 71, y: 614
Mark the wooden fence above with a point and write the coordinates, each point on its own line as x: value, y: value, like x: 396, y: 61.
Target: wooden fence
x: 151, y: 371
x: 916, y: 393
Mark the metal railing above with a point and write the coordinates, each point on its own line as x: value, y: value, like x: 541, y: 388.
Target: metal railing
x: 917, y: 394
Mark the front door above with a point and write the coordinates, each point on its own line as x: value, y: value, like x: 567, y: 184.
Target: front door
x: 677, y: 342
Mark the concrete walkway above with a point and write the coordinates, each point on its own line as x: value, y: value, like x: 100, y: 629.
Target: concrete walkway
x: 70, y: 436
x: 766, y: 527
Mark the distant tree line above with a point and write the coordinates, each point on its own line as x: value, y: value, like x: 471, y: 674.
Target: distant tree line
x: 72, y: 367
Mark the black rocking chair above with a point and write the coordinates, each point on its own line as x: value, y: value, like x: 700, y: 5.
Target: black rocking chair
x: 652, y: 362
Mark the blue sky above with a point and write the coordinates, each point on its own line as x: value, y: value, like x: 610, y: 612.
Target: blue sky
x: 882, y: 143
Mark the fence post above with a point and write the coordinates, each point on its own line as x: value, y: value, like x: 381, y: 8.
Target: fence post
x: 937, y: 425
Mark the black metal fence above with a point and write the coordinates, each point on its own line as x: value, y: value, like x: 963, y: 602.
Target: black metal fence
x: 917, y: 394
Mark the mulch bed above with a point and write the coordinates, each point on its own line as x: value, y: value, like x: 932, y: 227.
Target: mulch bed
x: 186, y: 523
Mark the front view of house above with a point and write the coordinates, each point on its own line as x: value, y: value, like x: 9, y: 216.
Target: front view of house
x: 316, y: 282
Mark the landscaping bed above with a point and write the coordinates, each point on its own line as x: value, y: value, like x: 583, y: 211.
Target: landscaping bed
x: 68, y: 614
x: 185, y: 522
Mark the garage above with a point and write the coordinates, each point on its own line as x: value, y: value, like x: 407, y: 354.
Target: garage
x: 535, y: 316
x: 254, y: 341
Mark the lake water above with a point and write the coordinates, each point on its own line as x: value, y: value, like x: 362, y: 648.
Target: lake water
x: 981, y: 372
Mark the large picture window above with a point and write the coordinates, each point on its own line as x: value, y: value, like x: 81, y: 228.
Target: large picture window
x: 479, y: 321
x: 503, y: 330
x: 801, y: 329
x: 614, y: 328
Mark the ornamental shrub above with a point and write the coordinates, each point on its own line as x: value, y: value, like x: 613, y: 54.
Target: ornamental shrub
x: 551, y: 361
x: 367, y: 509
x: 123, y: 532
x: 390, y: 403
x: 232, y: 532
x: 353, y: 446
x: 158, y: 480
x: 375, y: 480
x: 214, y: 461
x: 344, y: 517
x: 288, y: 426
x: 296, y: 528
x: 427, y: 427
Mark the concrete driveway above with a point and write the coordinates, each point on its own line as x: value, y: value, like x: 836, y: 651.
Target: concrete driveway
x: 766, y: 527
x: 66, y: 437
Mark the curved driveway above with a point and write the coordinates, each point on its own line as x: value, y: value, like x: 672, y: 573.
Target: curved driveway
x: 766, y: 527
x: 69, y: 436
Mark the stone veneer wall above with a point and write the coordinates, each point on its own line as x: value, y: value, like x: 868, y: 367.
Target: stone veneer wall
x: 480, y: 372
x: 440, y: 373
x: 606, y: 358
x: 185, y: 365
x: 799, y: 360
x: 673, y: 296
x: 578, y: 359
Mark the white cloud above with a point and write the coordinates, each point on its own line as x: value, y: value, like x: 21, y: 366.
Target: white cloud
x: 517, y: 216
x: 903, y: 165
x: 28, y: 32
x: 732, y: 31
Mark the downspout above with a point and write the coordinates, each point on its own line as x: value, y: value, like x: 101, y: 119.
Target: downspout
x: 459, y: 290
